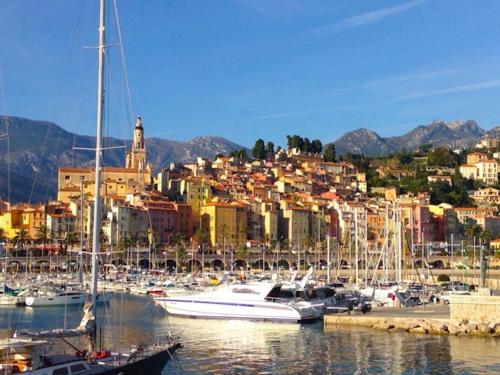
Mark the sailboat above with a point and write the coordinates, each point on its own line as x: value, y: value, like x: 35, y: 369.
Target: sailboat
x: 8, y: 296
x: 24, y: 352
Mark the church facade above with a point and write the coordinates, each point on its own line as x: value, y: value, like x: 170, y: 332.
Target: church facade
x: 117, y: 182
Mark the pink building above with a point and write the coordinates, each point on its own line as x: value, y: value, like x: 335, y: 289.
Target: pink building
x: 423, y: 227
x: 168, y: 218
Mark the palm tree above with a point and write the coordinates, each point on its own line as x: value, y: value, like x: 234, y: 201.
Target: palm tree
x: 71, y: 238
x: 43, y: 234
x: 201, y: 236
x: 472, y: 230
x: 177, y: 239
x: 21, y: 237
x: 103, y: 239
x: 309, y: 243
x: 223, y: 228
x: 2, y: 235
x: 486, y: 236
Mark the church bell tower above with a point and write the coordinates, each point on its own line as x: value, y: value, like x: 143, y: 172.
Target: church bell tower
x: 136, y: 157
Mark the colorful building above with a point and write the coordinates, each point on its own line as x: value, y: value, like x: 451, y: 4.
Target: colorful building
x: 226, y: 223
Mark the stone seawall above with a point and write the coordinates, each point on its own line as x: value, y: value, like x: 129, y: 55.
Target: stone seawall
x: 416, y: 325
x: 477, y: 308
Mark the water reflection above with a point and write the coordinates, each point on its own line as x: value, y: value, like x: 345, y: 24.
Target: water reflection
x: 241, y: 347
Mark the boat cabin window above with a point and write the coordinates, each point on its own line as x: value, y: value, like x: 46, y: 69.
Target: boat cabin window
x: 60, y: 371
x: 277, y: 292
x: 307, y: 294
x: 325, y: 292
x: 78, y: 368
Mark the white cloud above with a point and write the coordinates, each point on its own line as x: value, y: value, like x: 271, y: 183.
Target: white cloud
x: 366, y: 18
x: 450, y: 90
x: 413, y: 77
x: 280, y: 115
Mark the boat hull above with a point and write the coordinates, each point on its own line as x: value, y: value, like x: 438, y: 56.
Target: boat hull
x: 6, y: 300
x: 152, y: 365
x: 267, y: 311
x: 44, y: 301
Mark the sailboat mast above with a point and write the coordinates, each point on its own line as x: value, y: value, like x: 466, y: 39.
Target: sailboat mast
x: 97, y: 198
x: 80, y: 254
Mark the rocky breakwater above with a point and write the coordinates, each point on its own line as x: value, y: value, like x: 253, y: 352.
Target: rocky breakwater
x: 474, y: 319
x: 475, y: 315
x: 418, y: 325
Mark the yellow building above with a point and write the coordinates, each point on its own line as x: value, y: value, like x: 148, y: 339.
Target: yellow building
x: 270, y: 221
x: 197, y: 193
x: 12, y: 222
x: 295, y: 224
x: 115, y: 181
x: 226, y: 223
x: 23, y: 217
x: 476, y: 157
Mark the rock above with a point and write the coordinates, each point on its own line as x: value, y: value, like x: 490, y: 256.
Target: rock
x: 494, y: 324
x: 418, y: 330
x: 497, y: 331
x: 462, y: 329
x: 472, y: 326
x: 484, y: 329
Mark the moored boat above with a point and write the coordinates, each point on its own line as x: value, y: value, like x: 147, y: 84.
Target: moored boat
x: 241, y: 301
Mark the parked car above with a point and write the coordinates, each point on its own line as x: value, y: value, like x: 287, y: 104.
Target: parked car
x: 445, y: 297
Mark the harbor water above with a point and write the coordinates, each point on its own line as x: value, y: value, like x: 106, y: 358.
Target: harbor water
x: 243, y: 347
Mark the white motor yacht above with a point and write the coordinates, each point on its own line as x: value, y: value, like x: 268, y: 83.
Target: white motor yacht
x: 253, y: 301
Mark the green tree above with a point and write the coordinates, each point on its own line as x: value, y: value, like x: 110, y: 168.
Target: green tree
x: 405, y: 158
x: 316, y: 146
x: 306, y: 146
x: 259, y: 149
x: 71, y: 238
x: 103, y: 239
x: 22, y: 237
x: 485, y: 236
x: 219, y: 155
x: 425, y: 148
x: 472, y: 230
x: 177, y: 239
x: 269, y: 149
x: 295, y: 141
x: 201, y: 236
x: 241, y: 154
x: 442, y: 157
x: 242, y: 252
x: 329, y: 155
x: 43, y: 234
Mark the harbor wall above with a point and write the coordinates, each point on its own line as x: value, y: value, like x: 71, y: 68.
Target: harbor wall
x: 421, y: 325
x: 479, y: 308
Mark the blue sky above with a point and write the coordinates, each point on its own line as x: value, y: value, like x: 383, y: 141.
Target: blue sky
x: 245, y: 69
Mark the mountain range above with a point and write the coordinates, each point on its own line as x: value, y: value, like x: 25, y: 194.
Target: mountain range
x: 456, y: 134
x: 39, y: 148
